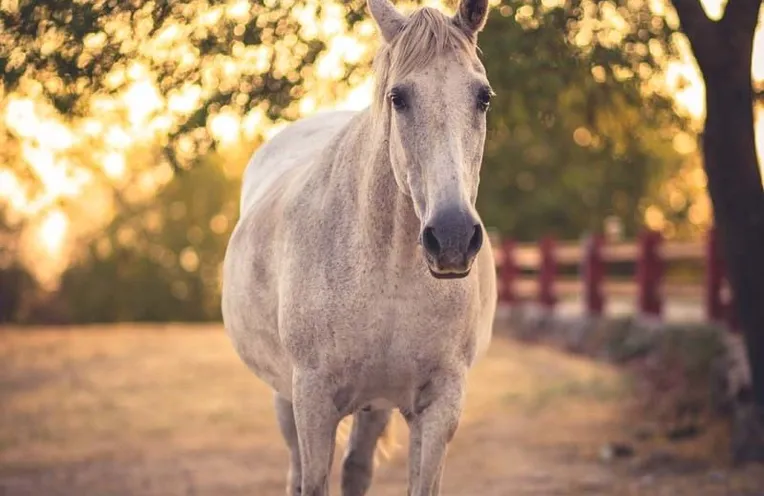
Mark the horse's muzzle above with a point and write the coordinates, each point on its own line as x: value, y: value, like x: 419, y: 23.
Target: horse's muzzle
x: 451, y: 240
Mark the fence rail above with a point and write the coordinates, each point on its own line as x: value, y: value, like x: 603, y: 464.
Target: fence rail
x: 648, y: 285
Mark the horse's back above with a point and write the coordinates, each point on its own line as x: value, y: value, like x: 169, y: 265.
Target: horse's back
x: 297, y: 144
x: 251, y: 266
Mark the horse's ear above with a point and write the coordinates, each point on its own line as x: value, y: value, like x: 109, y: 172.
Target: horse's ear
x: 472, y: 16
x: 389, y: 20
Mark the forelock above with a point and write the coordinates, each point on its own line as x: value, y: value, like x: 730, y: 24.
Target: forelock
x: 427, y: 35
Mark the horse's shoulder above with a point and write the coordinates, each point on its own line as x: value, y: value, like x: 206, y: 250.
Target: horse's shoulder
x: 296, y: 146
x: 307, y: 133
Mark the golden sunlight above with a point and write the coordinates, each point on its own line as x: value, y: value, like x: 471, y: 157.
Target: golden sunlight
x: 141, y: 99
x: 52, y: 231
x: 20, y: 116
x: 360, y: 97
x: 654, y: 218
x: 757, y: 69
x: 114, y: 165
x: 759, y: 133
x: 225, y: 126
x: 63, y: 154
x: 714, y: 8
x: 12, y: 191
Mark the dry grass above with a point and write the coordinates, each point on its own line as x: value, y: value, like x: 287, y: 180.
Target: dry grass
x: 165, y: 410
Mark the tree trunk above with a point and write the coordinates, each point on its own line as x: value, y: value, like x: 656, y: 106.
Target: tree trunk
x: 724, y: 53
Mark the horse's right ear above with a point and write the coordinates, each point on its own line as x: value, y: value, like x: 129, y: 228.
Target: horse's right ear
x: 389, y: 20
x: 472, y: 16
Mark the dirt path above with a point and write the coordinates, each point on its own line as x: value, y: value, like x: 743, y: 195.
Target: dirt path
x: 165, y: 411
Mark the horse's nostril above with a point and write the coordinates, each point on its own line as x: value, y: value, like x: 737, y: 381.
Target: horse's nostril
x: 430, y: 242
x: 476, y: 241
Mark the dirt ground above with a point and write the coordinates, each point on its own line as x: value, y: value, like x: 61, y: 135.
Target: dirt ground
x: 170, y: 410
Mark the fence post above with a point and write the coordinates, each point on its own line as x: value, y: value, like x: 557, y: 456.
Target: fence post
x: 547, y: 273
x: 714, y: 279
x: 593, y: 272
x: 508, y: 272
x: 649, y: 274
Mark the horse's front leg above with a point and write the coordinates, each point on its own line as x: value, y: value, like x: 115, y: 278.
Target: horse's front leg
x: 358, y: 465
x: 316, y: 419
x: 433, y: 422
x: 285, y: 417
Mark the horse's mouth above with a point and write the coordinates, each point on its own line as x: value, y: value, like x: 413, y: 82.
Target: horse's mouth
x: 450, y: 275
x: 455, y: 271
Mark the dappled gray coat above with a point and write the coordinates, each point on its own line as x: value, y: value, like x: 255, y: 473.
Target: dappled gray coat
x: 359, y: 278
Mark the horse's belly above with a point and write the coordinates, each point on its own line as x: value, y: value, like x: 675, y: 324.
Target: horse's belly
x: 249, y: 303
x: 260, y: 350
x: 379, y: 403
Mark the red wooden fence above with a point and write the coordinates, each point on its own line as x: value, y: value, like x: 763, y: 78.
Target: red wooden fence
x: 651, y: 254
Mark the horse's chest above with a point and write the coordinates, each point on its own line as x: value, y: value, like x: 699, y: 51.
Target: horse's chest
x: 388, y: 333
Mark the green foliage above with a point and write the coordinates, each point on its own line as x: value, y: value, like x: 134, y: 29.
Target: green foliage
x: 160, y: 262
x: 16, y: 283
x: 71, y: 51
x: 574, y: 134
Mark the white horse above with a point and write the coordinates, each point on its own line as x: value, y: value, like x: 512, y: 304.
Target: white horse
x: 359, y: 277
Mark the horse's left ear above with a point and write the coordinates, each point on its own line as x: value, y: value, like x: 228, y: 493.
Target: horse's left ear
x: 472, y: 16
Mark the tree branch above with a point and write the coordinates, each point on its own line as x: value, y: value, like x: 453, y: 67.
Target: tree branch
x: 700, y: 30
x: 695, y: 23
x: 742, y: 15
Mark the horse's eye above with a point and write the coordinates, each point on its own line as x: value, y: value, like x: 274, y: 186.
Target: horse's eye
x: 484, y: 99
x: 398, y: 100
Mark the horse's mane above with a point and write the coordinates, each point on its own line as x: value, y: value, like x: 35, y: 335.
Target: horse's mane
x: 427, y: 34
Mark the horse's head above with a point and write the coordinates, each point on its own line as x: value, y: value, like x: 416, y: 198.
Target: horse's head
x: 432, y: 94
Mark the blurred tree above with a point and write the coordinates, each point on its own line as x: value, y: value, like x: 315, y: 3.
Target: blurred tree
x: 16, y: 283
x: 577, y: 123
x: 579, y: 131
x: 724, y: 51
x: 203, y: 57
x: 159, y: 261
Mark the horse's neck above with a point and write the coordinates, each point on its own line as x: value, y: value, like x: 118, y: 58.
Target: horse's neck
x: 386, y: 216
